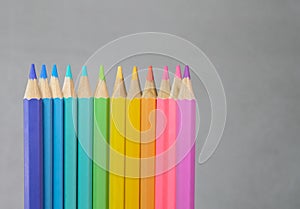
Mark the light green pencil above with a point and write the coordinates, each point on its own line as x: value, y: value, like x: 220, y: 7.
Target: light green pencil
x: 100, y: 144
x: 85, y: 142
x: 70, y: 141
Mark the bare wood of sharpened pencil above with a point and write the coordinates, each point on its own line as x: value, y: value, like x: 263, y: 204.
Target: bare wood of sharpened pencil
x: 164, y: 91
x: 44, y: 88
x: 55, y: 88
x: 84, y: 89
x: 32, y: 90
x: 186, y: 90
x: 135, y: 87
x: 149, y: 90
x: 68, y: 89
x: 101, y: 90
x: 119, y: 88
x: 175, y: 88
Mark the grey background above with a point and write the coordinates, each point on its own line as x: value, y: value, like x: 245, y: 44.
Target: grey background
x: 253, y: 43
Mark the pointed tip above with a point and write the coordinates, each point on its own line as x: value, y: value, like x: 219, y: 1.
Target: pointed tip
x: 101, y: 73
x: 178, y: 72
x: 150, y: 74
x: 54, y: 71
x: 187, y: 72
x: 32, y: 74
x: 119, y: 73
x: 135, y: 72
x: 69, y: 72
x: 84, y: 71
x: 166, y: 73
x: 43, y: 73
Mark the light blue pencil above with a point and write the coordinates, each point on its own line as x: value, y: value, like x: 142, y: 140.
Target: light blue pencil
x: 70, y: 142
x: 85, y: 141
x: 57, y: 140
x: 47, y: 137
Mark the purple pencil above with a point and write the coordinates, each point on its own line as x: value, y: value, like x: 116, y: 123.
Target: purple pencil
x: 185, y: 147
x: 33, y: 146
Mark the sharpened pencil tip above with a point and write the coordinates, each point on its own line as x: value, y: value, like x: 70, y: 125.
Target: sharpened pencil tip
x: 119, y: 73
x: 32, y: 74
x: 166, y: 73
x: 54, y: 71
x: 84, y: 71
x: 69, y: 72
x: 101, y: 73
x: 43, y: 73
x: 150, y: 74
x: 178, y: 72
x: 187, y: 72
x: 135, y: 72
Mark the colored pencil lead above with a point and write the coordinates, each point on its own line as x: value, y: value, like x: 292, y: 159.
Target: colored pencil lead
x: 166, y: 73
x: 150, y: 73
x: 32, y: 74
x: 54, y: 71
x: 84, y: 71
x: 187, y: 72
x: 119, y: 73
x: 134, y: 73
x: 43, y: 73
x: 178, y: 72
x: 101, y: 73
x: 69, y: 72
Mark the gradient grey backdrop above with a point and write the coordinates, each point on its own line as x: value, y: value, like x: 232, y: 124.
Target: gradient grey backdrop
x: 254, y: 44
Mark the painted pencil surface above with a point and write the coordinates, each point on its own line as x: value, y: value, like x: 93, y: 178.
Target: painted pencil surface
x: 117, y: 143
x: 33, y: 144
x: 100, y: 144
x: 70, y: 141
x: 47, y: 137
x: 148, y: 127
x: 85, y: 142
x: 132, y: 143
x: 185, y: 149
x: 162, y: 123
x: 57, y: 140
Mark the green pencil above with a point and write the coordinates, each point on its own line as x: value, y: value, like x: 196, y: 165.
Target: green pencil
x: 100, y: 144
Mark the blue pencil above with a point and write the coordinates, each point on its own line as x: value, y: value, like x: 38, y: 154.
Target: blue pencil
x: 85, y: 141
x: 57, y: 140
x: 47, y: 137
x: 70, y: 142
x: 33, y: 144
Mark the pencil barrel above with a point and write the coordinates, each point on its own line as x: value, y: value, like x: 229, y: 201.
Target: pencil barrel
x: 100, y: 153
x: 33, y: 154
x: 70, y: 153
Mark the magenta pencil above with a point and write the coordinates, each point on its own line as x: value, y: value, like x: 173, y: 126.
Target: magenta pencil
x: 162, y: 115
x: 185, y: 147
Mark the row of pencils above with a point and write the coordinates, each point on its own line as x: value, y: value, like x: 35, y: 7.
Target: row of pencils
x: 131, y: 150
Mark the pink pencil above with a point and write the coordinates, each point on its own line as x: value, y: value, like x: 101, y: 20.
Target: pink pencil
x: 185, y: 147
x: 162, y: 114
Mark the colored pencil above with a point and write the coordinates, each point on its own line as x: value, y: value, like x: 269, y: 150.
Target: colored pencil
x: 171, y: 142
x: 57, y: 140
x: 85, y: 142
x: 33, y: 144
x: 47, y: 137
x: 162, y: 123
x: 117, y: 143
x: 148, y: 127
x: 185, y: 150
x: 70, y: 141
x: 100, y: 144
x: 132, y: 143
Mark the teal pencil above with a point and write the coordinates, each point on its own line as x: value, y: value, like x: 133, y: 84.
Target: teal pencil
x: 47, y: 137
x: 58, y: 187
x: 70, y: 141
x: 85, y: 141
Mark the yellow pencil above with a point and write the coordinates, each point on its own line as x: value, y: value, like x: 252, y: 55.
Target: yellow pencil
x: 132, y: 143
x: 117, y: 143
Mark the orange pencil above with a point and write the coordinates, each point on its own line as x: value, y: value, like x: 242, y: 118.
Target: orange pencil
x: 148, y: 112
